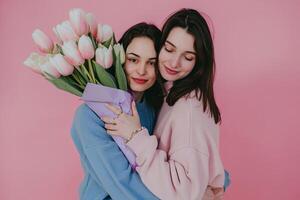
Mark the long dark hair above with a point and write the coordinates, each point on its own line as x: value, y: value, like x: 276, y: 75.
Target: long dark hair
x: 201, y: 78
x: 154, y: 95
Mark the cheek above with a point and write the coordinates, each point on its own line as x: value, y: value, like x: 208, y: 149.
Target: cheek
x: 163, y: 56
x: 128, y: 68
x: 151, y: 73
x: 188, y: 66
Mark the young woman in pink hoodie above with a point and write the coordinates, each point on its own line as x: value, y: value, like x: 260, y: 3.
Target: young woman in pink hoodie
x: 181, y: 159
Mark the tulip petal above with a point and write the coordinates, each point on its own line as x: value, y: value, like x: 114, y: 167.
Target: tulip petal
x: 72, y: 53
x: 33, y: 62
x: 78, y: 21
x: 43, y: 42
x: 86, y: 47
x: 90, y: 19
x: 62, y: 66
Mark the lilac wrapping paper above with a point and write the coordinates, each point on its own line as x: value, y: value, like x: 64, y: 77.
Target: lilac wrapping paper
x: 95, y: 96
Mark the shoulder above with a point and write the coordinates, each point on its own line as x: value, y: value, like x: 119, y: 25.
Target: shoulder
x: 191, y: 103
x: 188, y: 104
x: 84, y: 113
x: 199, y: 126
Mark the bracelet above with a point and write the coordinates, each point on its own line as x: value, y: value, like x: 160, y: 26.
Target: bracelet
x: 134, y: 133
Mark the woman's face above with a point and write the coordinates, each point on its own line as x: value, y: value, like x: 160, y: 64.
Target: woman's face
x: 140, y: 64
x: 177, y: 57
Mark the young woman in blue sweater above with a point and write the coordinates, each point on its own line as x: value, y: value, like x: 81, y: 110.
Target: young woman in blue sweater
x: 107, y: 173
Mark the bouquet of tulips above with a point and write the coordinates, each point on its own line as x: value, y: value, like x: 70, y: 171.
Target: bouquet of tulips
x: 85, y: 61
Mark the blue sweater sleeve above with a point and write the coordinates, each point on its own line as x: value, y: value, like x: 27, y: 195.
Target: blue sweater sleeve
x: 108, y: 163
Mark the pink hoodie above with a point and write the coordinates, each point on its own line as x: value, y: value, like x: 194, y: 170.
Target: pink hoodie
x: 181, y: 160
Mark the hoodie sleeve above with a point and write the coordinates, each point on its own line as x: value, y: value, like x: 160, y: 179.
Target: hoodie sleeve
x: 182, y: 173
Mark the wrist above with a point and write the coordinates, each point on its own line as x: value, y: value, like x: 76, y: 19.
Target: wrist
x: 133, y: 133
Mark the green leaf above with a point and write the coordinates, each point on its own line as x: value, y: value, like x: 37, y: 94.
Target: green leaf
x: 62, y: 84
x: 70, y: 79
x: 114, y: 40
x: 120, y: 74
x: 104, y: 77
x: 93, y: 40
x: 108, y: 42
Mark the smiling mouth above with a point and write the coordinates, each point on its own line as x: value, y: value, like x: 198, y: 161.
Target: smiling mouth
x: 139, y: 80
x: 170, y: 71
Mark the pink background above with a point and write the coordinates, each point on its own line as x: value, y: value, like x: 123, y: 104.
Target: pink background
x: 257, y: 88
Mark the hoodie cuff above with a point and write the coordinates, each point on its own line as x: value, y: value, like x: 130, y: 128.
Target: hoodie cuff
x: 138, y: 143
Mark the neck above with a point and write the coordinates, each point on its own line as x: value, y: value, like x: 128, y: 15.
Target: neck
x: 137, y: 96
x: 168, y: 85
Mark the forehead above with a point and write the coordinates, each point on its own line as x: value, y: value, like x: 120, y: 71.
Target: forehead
x: 181, y: 39
x: 142, y: 46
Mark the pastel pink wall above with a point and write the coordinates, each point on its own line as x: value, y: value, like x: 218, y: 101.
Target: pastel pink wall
x: 257, y: 87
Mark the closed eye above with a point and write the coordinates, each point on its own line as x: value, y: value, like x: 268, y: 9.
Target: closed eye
x: 168, y: 49
x: 189, y: 58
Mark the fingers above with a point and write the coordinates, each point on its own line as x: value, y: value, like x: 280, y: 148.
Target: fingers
x: 114, y: 109
x: 108, y: 120
x: 110, y: 127
x: 112, y: 133
x: 133, y: 108
x: 109, y: 123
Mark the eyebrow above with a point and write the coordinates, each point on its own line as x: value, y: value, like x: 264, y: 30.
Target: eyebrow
x: 154, y: 58
x: 134, y: 54
x: 192, y: 52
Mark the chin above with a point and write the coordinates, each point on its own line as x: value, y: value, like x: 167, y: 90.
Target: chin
x: 168, y: 77
x: 138, y: 88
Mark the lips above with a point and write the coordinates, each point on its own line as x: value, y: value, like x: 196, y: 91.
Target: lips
x: 139, y: 80
x: 170, y: 71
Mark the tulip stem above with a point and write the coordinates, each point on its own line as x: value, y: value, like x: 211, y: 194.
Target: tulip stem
x: 87, y: 73
x: 91, y: 71
x: 78, y: 80
x: 82, y: 79
x: 79, y: 86
x: 82, y: 75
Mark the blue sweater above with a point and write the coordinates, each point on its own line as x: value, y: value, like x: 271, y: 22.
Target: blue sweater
x: 108, y: 174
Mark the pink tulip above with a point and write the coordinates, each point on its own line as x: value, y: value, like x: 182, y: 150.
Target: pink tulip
x: 43, y: 42
x: 104, y: 56
x: 62, y: 66
x: 65, y: 32
x: 72, y: 54
x: 90, y: 19
x: 33, y: 62
x: 50, y: 69
x: 78, y: 21
x: 54, y: 29
x: 104, y: 33
x: 119, y: 51
x: 85, y: 47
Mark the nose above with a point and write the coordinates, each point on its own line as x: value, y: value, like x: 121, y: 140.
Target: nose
x: 174, y: 61
x: 142, y: 69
